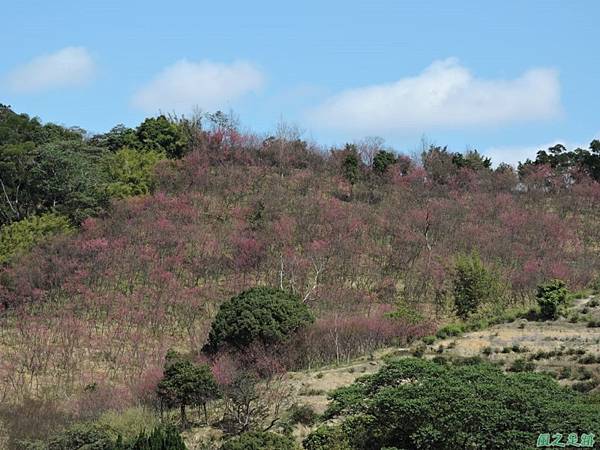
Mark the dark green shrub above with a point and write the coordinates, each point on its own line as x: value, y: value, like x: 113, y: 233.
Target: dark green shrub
x: 77, y: 437
x: 382, y: 160
x: 565, y: 373
x: 589, y: 359
x: 161, y: 438
x: 260, y: 314
x: 327, y: 438
x: 584, y: 386
x: 440, y: 360
x: 260, y: 440
x: 468, y: 360
x: 451, y: 330
x: 521, y: 365
x: 419, y: 350
x: 518, y: 349
x: 428, y: 340
x: 303, y: 414
x: 417, y: 404
x: 550, y: 297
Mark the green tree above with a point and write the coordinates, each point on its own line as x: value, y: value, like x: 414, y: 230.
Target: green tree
x: 550, y: 297
x: 62, y: 176
x: 163, y: 135
x: 68, y: 179
x: 424, y: 405
x: 131, y: 172
x: 259, y: 314
x: 19, y: 237
x: 117, y: 138
x: 19, y: 194
x: 185, y: 383
x: 473, y: 160
x: 20, y: 128
x: 351, y: 164
x: 563, y: 160
x: 473, y: 284
x: 382, y: 161
x: 27, y: 148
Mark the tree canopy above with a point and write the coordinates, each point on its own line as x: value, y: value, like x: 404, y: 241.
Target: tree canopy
x: 558, y: 157
x: 260, y: 314
x: 550, y: 297
x: 186, y: 383
x: 420, y: 404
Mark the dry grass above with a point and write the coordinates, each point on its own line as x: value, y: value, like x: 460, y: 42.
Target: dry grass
x: 498, y: 342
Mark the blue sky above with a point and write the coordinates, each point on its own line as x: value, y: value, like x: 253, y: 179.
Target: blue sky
x: 505, y: 77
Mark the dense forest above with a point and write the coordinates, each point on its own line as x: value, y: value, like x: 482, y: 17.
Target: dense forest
x: 170, y: 275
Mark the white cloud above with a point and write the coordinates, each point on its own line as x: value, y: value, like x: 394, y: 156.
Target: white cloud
x: 71, y: 66
x: 445, y: 95
x: 208, y: 85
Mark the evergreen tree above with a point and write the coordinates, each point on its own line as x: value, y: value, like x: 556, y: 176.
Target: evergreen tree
x: 382, y: 161
x: 186, y: 384
x: 260, y: 314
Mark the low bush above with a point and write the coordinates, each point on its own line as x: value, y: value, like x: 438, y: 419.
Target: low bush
x: 451, y: 330
x: 129, y: 423
x: 589, y: 359
x: 327, y: 438
x: 303, y: 414
x: 565, y: 373
x: 77, y: 437
x: 161, y: 438
x: 521, y: 365
x: 260, y: 440
x: 419, y: 350
x: 428, y: 340
x: 584, y: 386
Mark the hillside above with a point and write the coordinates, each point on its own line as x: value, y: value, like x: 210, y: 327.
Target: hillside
x: 133, y: 248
